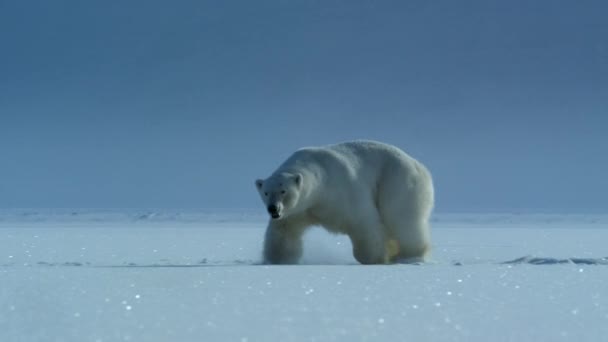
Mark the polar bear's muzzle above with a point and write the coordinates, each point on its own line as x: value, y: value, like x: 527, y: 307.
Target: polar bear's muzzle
x: 275, y: 211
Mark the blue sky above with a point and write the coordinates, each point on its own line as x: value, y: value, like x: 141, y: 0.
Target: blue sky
x: 185, y: 104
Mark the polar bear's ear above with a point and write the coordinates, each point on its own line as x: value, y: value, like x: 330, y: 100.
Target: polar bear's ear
x: 259, y: 183
x: 298, y: 179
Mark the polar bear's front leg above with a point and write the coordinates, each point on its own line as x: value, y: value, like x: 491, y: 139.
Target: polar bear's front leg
x: 282, y: 245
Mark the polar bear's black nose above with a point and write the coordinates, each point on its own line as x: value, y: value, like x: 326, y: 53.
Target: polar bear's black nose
x: 273, y: 210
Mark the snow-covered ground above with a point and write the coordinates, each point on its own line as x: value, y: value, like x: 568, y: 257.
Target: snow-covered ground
x: 180, y: 276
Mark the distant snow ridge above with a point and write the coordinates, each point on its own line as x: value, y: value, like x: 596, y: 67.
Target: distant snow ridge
x: 187, y: 216
x: 105, y: 216
x: 160, y: 264
x: 521, y: 220
x: 554, y: 261
x: 165, y: 263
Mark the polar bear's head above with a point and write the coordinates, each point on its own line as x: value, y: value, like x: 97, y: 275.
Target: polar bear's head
x: 280, y: 193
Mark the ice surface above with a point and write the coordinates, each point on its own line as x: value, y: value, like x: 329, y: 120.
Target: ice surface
x: 102, y: 275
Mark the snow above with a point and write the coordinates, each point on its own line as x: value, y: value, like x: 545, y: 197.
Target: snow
x: 159, y: 275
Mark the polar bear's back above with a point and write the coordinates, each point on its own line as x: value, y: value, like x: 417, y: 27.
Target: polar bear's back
x: 368, y: 151
x: 362, y: 161
x: 356, y: 156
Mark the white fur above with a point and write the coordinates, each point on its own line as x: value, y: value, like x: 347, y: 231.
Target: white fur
x: 373, y: 192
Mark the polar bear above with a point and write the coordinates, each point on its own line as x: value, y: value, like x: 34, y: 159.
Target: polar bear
x: 373, y: 192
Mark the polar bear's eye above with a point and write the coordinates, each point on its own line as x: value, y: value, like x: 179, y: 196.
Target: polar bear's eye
x: 283, y: 191
x: 265, y: 194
